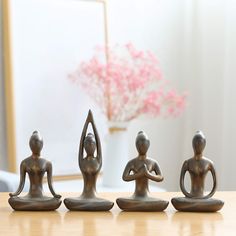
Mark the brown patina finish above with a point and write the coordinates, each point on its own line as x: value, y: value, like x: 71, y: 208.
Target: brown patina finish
x: 142, y: 169
x: 90, y: 166
x: 198, y: 166
x: 35, y: 167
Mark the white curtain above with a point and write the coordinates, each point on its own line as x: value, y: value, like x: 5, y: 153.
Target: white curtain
x: 195, y: 41
x: 209, y: 69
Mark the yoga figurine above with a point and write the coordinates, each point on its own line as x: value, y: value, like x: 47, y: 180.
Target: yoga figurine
x: 141, y: 170
x: 90, y: 166
x: 36, y: 167
x: 198, y: 167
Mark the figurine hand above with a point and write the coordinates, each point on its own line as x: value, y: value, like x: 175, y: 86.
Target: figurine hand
x: 90, y: 115
x: 12, y: 195
x: 57, y: 196
x: 144, y: 169
x: 161, y: 178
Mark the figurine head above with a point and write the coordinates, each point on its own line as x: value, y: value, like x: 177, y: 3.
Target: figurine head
x: 199, y: 142
x: 142, y: 143
x: 36, y: 143
x: 90, y: 144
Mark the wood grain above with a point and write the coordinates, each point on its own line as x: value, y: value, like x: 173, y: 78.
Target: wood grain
x: 116, y: 222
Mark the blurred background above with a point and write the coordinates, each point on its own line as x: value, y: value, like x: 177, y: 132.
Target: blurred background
x: 194, y: 42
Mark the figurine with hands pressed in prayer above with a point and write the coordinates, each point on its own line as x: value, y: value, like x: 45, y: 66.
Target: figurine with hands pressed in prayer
x: 142, y: 169
x: 198, y: 166
x: 90, y: 166
x: 35, y: 167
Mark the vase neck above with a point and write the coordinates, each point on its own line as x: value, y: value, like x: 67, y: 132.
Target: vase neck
x: 117, y: 126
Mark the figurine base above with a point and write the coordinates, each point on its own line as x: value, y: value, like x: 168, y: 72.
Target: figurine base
x: 197, y: 205
x: 141, y: 204
x: 34, y: 204
x: 88, y: 204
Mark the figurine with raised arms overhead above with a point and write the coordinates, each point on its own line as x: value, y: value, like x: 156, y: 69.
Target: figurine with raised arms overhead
x: 90, y: 166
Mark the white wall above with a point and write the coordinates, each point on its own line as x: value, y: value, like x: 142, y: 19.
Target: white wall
x: 195, y: 43
x: 49, y: 40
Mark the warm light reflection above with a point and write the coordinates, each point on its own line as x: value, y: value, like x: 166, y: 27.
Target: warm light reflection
x: 88, y: 223
x: 27, y: 223
x: 145, y: 222
x: 198, y: 223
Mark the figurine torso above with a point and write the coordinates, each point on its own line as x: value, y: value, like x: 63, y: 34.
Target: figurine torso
x: 198, y: 170
x: 137, y: 164
x: 35, y: 166
x: 36, y: 169
x: 90, y: 166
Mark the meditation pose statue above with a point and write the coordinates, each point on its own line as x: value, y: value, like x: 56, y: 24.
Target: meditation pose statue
x: 198, y: 167
x: 90, y: 166
x: 36, y: 167
x: 141, y: 169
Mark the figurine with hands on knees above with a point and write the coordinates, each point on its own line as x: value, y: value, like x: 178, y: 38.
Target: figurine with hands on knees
x: 36, y: 167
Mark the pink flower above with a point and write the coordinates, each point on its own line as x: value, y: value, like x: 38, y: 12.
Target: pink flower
x: 129, y: 84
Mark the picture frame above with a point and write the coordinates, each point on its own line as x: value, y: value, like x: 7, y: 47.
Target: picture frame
x: 38, y: 94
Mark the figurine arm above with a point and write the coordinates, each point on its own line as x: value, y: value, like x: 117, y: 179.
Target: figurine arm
x: 22, y: 180
x: 158, y: 176
x: 98, y: 142
x: 213, y: 172
x: 81, y: 146
x: 129, y: 177
x: 49, y: 177
x: 182, y: 175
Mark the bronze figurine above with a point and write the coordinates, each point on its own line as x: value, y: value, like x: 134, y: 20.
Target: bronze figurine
x: 36, y: 167
x: 198, y: 167
x: 90, y: 166
x: 141, y: 170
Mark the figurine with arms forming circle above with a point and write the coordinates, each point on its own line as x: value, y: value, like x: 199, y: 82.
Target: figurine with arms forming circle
x: 198, y: 167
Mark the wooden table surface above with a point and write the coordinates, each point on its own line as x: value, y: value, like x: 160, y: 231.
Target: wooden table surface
x: 116, y: 222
